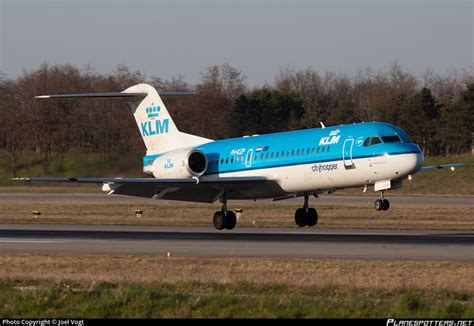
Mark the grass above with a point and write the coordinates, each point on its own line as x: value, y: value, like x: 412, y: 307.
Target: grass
x: 229, y: 301
x: 43, y: 269
x: 260, y: 214
x: 122, y: 286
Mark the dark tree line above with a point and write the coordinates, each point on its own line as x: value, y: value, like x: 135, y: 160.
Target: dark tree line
x: 437, y: 111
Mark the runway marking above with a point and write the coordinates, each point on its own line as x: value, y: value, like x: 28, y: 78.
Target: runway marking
x: 29, y: 241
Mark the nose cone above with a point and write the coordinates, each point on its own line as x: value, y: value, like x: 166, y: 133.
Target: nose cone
x: 419, y: 161
x: 415, y: 160
x: 409, y: 164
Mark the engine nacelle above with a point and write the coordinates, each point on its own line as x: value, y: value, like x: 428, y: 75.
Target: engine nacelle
x: 184, y: 163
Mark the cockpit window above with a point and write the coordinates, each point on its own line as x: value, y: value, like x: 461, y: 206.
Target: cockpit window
x: 371, y: 141
x: 375, y: 141
x: 406, y: 138
x: 367, y: 142
x: 391, y: 139
x: 403, y: 135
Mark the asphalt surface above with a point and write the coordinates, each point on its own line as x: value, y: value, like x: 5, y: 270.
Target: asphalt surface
x: 243, y: 242
x: 323, y: 199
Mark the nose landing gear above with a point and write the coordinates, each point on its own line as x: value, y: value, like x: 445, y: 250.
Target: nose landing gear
x: 381, y: 204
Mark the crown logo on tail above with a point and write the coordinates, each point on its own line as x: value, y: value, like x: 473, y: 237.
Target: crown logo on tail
x: 153, y: 111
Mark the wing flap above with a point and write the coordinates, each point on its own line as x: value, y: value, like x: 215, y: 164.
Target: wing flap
x: 160, y: 182
x: 205, y: 190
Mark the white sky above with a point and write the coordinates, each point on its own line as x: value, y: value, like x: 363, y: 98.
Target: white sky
x: 166, y: 38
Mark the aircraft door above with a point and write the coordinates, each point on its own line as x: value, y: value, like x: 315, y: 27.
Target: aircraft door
x: 248, y: 158
x: 347, y: 153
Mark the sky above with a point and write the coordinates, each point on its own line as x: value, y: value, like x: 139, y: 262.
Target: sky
x: 167, y: 38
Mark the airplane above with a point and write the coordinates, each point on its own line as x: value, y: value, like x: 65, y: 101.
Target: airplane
x: 274, y: 166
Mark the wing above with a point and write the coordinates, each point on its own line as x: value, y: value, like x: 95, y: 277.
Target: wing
x: 205, y: 190
x: 439, y: 167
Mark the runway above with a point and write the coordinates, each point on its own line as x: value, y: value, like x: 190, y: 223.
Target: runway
x: 243, y: 242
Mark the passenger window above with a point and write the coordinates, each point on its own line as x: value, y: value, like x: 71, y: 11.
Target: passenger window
x: 261, y: 156
x: 298, y: 152
x: 322, y: 149
x: 227, y: 160
x: 271, y: 156
x: 256, y: 156
x: 276, y: 155
x: 312, y: 150
x: 282, y: 153
x: 367, y: 142
x: 222, y: 161
x: 328, y: 148
x: 293, y: 153
x: 266, y: 156
x: 317, y: 151
x: 375, y: 141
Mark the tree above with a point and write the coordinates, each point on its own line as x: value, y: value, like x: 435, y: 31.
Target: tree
x: 12, y: 133
x: 457, y: 123
x: 420, y: 120
x: 265, y: 111
x: 220, y: 86
x: 392, y: 110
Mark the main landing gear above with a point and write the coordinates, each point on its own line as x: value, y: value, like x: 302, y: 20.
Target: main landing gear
x: 306, y: 216
x: 381, y: 204
x: 224, y: 219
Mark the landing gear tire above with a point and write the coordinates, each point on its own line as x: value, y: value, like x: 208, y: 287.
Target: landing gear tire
x: 382, y: 204
x: 312, y: 217
x: 378, y: 205
x: 224, y: 220
x: 230, y: 220
x: 300, y: 217
x: 218, y: 220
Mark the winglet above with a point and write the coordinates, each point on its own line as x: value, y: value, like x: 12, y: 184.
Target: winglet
x: 443, y: 166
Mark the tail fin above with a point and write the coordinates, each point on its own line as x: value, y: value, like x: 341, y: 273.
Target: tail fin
x: 157, y: 128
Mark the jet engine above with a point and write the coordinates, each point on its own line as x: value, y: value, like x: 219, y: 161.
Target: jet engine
x: 177, y: 164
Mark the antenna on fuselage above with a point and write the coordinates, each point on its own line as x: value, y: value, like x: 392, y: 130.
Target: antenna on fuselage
x: 322, y: 124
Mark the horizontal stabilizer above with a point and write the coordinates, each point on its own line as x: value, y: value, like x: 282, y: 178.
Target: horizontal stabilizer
x: 111, y: 94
